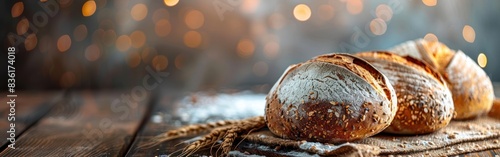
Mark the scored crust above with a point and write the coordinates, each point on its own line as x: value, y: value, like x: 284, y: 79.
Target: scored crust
x: 324, y: 100
x: 424, y: 102
x: 471, y: 88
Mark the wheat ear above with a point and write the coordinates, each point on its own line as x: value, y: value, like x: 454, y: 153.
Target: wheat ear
x: 187, y: 131
x: 252, y: 124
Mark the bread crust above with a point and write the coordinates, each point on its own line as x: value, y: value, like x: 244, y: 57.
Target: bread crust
x: 331, y: 98
x: 495, y: 110
x: 425, y: 104
x: 471, y: 88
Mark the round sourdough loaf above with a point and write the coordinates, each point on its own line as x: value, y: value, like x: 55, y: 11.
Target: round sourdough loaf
x: 471, y: 88
x: 425, y: 104
x: 331, y: 98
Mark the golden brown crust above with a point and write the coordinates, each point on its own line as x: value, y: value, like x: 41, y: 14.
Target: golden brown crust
x: 495, y: 110
x: 470, y: 86
x: 424, y: 102
x: 322, y: 100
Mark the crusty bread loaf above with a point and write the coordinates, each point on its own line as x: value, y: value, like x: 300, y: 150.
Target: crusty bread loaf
x: 425, y: 104
x: 495, y: 110
x: 471, y: 88
x: 331, y: 98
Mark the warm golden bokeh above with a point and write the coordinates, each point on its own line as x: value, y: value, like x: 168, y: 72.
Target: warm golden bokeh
x: 384, y: 12
x: 482, y: 60
x: 354, y: 6
x: 22, y: 26
x: 431, y: 37
x: 192, y: 39
x: 162, y: 28
x: 160, y: 62
x: 64, y: 43
x: 194, y: 19
x: 88, y: 8
x: 249, y: 6
x: 378, y: 26
x: 160, y: 14
x: 260, y: 68
x: 271, y: 49
x: 469, y: 34
x: 30, y: 42
x: 123, y: 43
x: 245, y: 48
x: 134, y: 59
x: 92, y: 52
x: 302, y: 12
x: 430, y: 3
x: 326, y: 12
x: 170, y: 3
x: 139, y: 12
x: 80, y: 32
x: 17, y: 9
x: 138, y: 39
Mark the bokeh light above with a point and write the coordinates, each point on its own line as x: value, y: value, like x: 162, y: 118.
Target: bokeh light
x: 139, y: 12
x: 482, y: 60
x: 384, y: 12
x: 302, y: 12
x: 170, y: 3
x: 63, y: 43
x: 249, y: 6
x: 92, y: 52
x: 134, y: 59
x: 469, y: 34
x: 326, y: 12
x: 162, y: 28
x: 354, y: 6
x: 159, y: 62
x: 431, y: 37
x: 138, y: 39
x: 192, y: 39
x: 80, y: 32
x: 88, y: 8
x: 30, y: 42
x: 123, y: 43
x: 160, y: 14
x: 245, y: 48
x: 194, y: 19
x: 17, y: 9
x: 430, y: 3
x: 271, y: 49
x: 378, y: 26
x: 22, y: 26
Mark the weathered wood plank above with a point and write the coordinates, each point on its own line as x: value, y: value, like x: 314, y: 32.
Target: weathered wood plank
x: 84, y: 124
x: 174, y: 110
x: 29, y: 108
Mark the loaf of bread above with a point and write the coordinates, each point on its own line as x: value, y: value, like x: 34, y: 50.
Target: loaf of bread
x: 331, y: 98
x: 495, y: 110
x: 425, y: 104
x: 471, y: 88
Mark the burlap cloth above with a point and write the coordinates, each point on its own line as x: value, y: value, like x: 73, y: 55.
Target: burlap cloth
x: 457, y: 138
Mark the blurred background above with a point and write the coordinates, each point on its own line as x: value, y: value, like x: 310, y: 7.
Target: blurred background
x: 218, y: 44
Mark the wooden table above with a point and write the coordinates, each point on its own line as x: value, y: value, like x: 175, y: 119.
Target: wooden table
x: 90, y: 123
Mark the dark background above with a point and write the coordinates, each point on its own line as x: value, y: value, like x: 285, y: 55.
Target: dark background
x: 248, y: 46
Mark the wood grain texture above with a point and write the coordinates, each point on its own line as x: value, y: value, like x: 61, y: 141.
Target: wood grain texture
x: 30, y: 107
x: 83, y: 124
